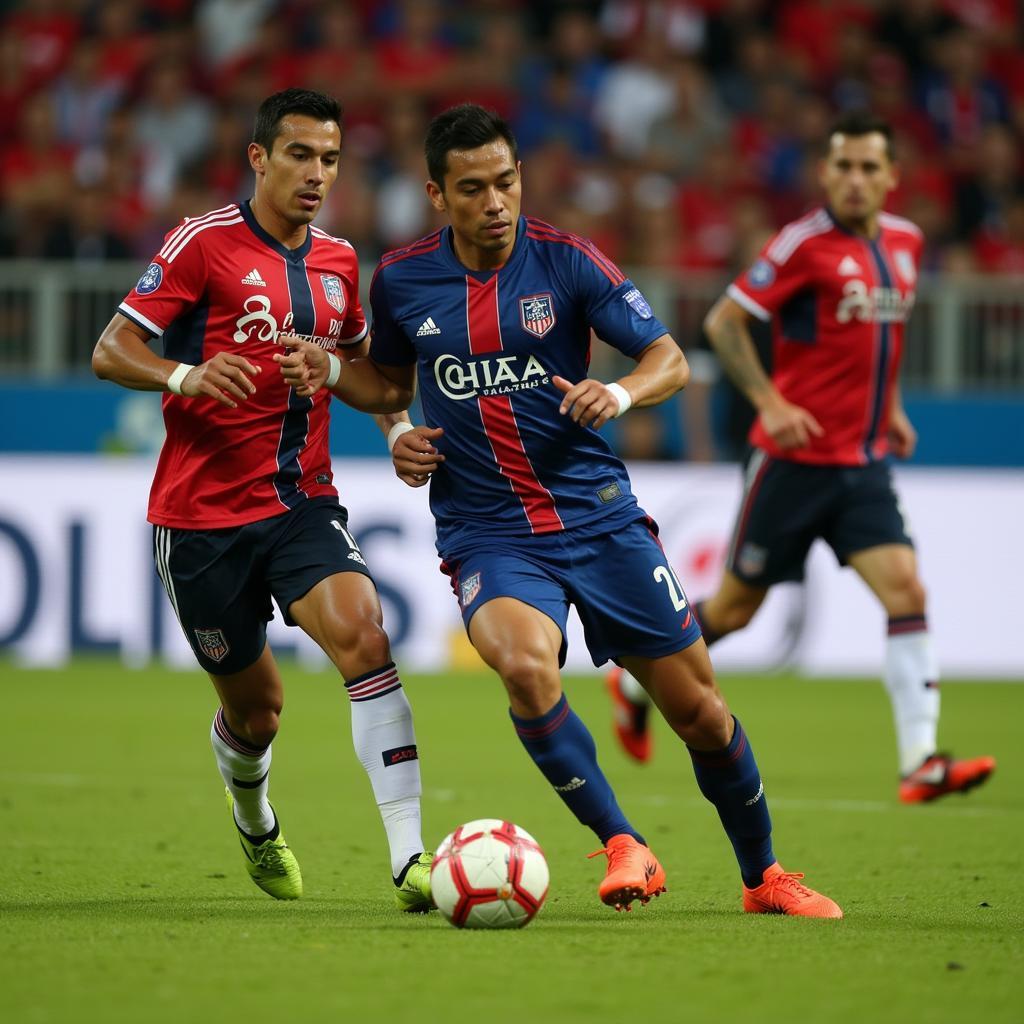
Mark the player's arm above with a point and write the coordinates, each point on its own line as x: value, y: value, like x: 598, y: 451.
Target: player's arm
x: 123, y: 356
x: 790, y: 426
x: 360, y: 382
x: 902, y: 435
x: 661, y: 370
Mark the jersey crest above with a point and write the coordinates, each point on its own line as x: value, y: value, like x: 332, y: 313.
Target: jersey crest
x: 333, y: 291
x: 212, y: 643
x: 537, y: 314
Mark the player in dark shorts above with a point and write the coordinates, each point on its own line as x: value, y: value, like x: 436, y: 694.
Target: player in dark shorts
x: 243, y: 503
x: 837, y: 286
x: 534, y: 512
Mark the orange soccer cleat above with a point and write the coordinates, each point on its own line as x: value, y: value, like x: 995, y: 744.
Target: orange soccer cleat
x: 941, y: 774
x: 630, y: 718
x: 781, y: 893
x: 633, y: 873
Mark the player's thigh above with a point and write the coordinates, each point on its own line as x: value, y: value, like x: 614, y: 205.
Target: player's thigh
x: 215, y: 584
x: 869, y: 515
x: 538, y: 603
x: 628, y: 596
x: 683, y: 687
x: 785, y: 506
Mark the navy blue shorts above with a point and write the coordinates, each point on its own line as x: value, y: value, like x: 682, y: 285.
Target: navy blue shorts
x: 220, y: 581
x: 621, y: 584
x: 788, y: 505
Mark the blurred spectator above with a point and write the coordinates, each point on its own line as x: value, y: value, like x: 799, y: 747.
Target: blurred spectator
x: 982, y: 200
x: 914, y: 29
x: 679, y: 24
x: 124, y: 46
x: 173, y: 128
x: 83, y: 99
x: 46, y: 31
x: 416, y: 59
x: 84, y: 233
x: 229, y: 28
x: 1000, y: 249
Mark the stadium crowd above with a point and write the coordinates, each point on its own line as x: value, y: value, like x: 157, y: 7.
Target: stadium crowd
x: 676, y: 134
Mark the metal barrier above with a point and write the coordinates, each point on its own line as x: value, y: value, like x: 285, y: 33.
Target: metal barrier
x: 966, y: 333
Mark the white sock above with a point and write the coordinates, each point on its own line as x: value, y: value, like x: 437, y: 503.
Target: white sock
x: 385, y: 744
x: 246, y: 773
x: 632, y: 690
x: 912, y: 678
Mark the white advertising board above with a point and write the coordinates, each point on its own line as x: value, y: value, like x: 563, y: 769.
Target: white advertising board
x: 76, y: 572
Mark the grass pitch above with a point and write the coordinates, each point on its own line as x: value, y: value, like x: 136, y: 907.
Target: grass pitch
x: 123, y: 896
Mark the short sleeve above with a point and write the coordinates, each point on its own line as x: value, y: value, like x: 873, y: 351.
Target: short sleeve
x: 353, y: 330
x: 615, y: 308
x: 171, y: 285
x: 388, y: 344
x: 769, y: 283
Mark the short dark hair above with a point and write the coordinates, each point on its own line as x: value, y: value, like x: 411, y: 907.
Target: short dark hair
x: 292, y: 101
x: 862, y: 122
x: 466, y: 126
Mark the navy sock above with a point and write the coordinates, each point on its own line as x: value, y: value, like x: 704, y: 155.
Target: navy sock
x: 730, y: 780
x: 710, y: 636
x: 563, y: 749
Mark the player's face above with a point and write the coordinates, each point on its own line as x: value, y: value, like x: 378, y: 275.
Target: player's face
x: 857, y: 175
x: 481, y: 196
x: 293, y: 179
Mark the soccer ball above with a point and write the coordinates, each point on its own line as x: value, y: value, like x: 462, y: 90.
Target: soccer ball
x: 489, y: 874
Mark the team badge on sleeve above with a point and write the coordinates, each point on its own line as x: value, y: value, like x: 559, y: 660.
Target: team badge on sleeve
x: 640, y: 306
x: 537, y: 314
x: 151, y: 279
x: 212, y: 643
x: 469, y: 590
x: 761, y: 274
x: 333, y: 291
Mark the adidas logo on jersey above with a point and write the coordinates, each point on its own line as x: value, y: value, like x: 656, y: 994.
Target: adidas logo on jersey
x: 428, y: 327
x: 848, y: 266
x: 253, y: 278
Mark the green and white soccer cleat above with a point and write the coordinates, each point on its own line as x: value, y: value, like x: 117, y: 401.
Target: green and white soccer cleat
x: 412, y: 886
x: 271, y: 865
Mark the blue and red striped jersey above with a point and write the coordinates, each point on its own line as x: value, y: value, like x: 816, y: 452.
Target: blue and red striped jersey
x: 838, y: 303
x: 220, y: 283
x: 486, y: 345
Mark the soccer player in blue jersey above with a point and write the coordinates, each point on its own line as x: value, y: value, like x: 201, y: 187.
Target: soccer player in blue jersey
x: 534, y: 511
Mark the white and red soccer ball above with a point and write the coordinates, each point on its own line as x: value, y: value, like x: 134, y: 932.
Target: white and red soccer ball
x: 489, y: 874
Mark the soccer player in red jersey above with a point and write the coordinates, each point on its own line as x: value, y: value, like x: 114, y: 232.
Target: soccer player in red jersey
x: 243, y: 502
x: 837, y: 286
x: 492, y: 316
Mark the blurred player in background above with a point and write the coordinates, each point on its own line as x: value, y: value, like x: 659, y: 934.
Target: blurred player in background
x: 837, y: 286
x: 243, y: 503
x: 534, y: 511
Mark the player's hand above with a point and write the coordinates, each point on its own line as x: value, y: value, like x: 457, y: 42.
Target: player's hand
x: 304, y: 366
x: 223, y: 378
x: 589, y: 403
x: 415, y: 456
x: 790, y: 426
x: 902, y: 435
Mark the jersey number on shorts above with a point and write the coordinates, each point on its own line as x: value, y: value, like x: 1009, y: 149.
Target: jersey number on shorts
x: 354, y: 553
x: 664, y: 574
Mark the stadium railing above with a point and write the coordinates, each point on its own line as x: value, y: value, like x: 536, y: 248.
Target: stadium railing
x: 966, y: 334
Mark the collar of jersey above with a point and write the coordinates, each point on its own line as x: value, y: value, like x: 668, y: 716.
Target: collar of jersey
x: 267, y: 239
x: 448, y: 251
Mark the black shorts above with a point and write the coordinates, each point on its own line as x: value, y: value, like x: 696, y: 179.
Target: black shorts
x: 220, y: 581
x: 788, y: 505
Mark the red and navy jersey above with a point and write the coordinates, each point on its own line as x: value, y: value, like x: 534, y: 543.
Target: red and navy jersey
x: 223, y: 284
x: 838, y: 303
x: 486, y: 345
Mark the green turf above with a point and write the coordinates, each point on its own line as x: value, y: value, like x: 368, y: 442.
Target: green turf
x: 123, y: 897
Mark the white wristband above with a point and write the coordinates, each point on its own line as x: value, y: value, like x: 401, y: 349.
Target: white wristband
x: 622, y: 395
x: 335, y: 371
x: 178, y: 374
x: 396, y: 432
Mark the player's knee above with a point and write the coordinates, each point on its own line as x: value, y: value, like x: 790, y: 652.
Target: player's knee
x: 531, y: 684
x: 260, y: 726
x: 906, y: 595
x: 699, y: 715
x: 359, y: 647
x: 733, y: 616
